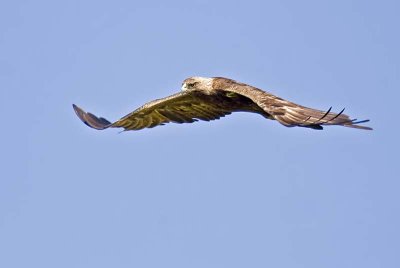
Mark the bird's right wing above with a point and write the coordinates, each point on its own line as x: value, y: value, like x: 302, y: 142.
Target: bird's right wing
x: 183, y: 107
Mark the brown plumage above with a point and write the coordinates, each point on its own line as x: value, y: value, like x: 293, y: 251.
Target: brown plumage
x: 212, y: 98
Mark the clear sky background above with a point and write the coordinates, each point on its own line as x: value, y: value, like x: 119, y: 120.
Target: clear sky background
x: 237, y: 192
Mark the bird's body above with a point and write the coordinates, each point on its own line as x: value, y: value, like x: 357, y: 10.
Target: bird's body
x: 211, y: 98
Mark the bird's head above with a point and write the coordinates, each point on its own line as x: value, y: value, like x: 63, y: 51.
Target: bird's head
x: 199, y: 83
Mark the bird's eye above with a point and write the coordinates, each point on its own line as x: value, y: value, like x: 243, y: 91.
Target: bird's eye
x: 191, y: 85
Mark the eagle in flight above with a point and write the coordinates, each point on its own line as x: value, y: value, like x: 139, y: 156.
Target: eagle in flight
x: 212, y: 98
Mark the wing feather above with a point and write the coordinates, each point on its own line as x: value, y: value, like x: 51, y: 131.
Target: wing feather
x: 288, y: 113
x: 183, y: 107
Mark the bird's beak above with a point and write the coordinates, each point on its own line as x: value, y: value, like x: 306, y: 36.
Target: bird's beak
x: 184, y: 87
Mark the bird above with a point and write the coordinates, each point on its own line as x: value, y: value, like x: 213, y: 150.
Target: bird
x: 204, y: 98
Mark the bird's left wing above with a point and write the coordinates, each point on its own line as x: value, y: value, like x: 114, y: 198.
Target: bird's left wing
x: 288, y: 113
x: 183, y: 107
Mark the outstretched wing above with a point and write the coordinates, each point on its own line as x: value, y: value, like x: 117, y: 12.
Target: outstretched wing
x: 183, y: 107
x: 288, y: 113
x: 291, y: 114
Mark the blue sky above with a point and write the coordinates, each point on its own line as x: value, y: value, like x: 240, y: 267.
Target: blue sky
x: 237, y: 192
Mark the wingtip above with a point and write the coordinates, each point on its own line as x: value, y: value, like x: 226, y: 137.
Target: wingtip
x: 90, y: 119
x: 355, y: 124
x: 77, y: 109
x: 79, y: 112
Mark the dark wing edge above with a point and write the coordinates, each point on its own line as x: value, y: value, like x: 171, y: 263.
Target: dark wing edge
x: 91, y: 120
